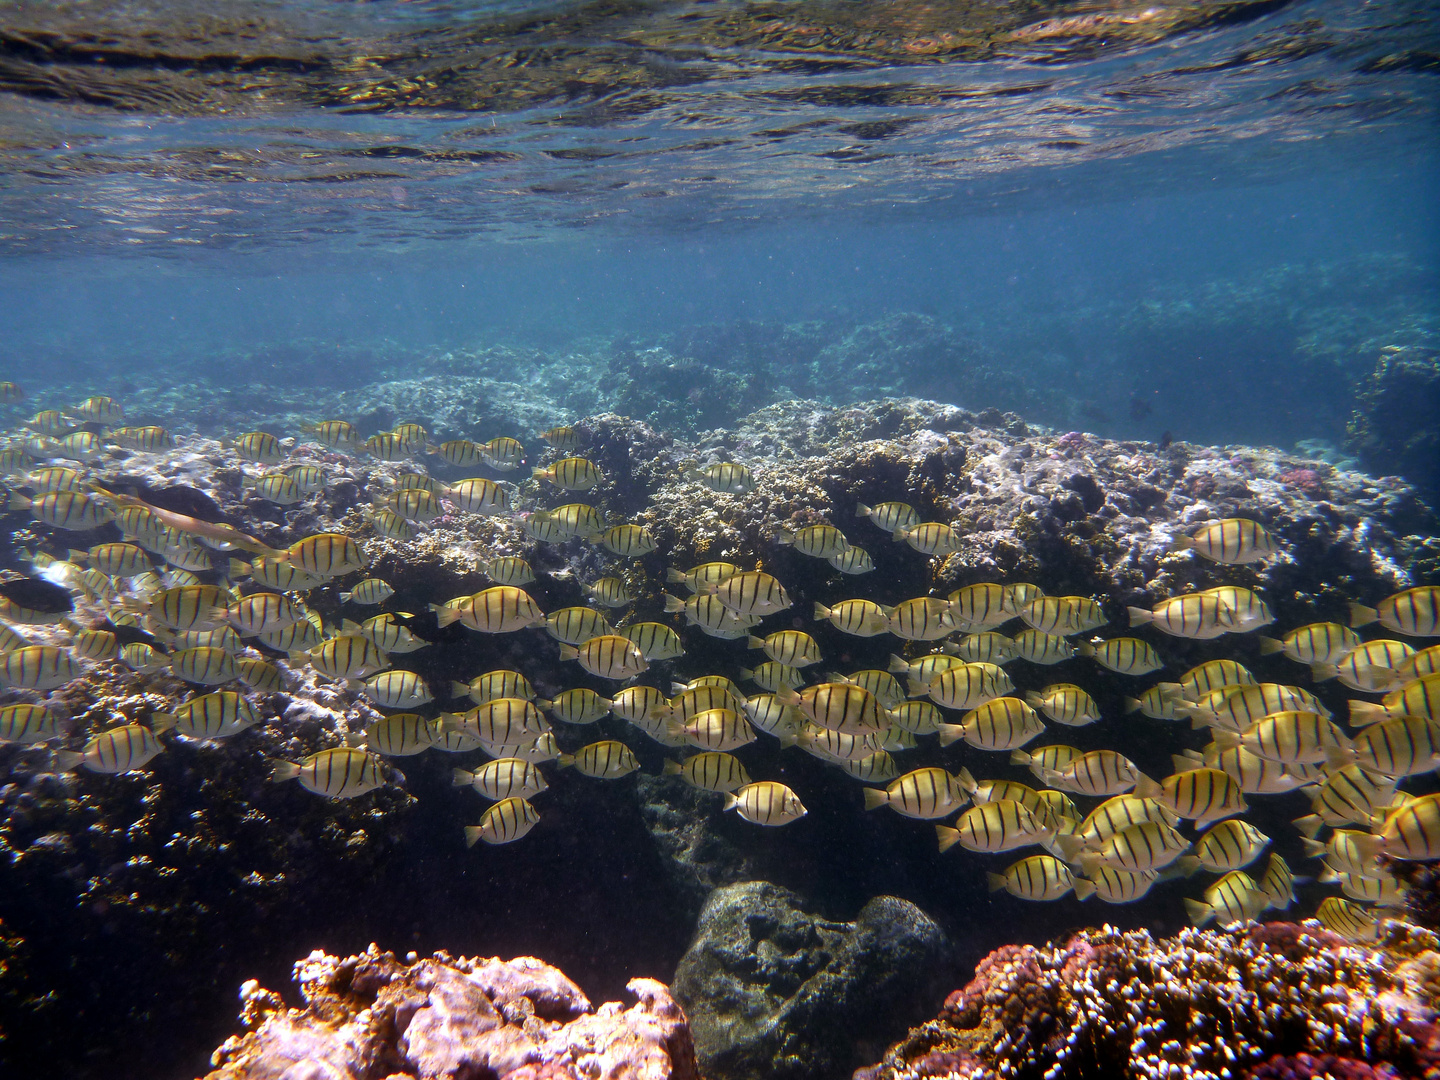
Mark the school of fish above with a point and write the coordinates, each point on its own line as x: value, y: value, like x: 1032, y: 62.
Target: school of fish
x: 156, y: 590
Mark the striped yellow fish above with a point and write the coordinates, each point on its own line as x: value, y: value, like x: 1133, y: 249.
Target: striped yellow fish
x: 1195, y: 615
x: 1123, y: 655
x: 326, y: 555
x: 876, y: 768
x: 967, y: 686
x: 189, y: 607
x: 714, y: 729
x: 56, y: 478
x: 1349, y: 796
x: 926, y: 794
x: 38, y: 667
x: 1006, y: 723
x: 578, y: 706
x: 993, y: 827
x: 1139, y: 848
x: 391, y: 525
x: 1063, y: 615
x: 1413, y: 831
x: 1290, y: 737
x: 1100, y: 772
x: 882, y: 684
x: 1038, y: 647
x: 571, y: 474
x: 1249, y: 612
x: 608, y: 592
x: 509, y: 819
x: 577, y: 625
x: 337, y: 434
x: 710, y: 771
x: 259, y: 446
x: 462, y: 453
x: 628, y: 541
x: 278, y: 488
x: 1120, y: 812
x: 1234, y: 898
x: 203, y: 664
x: 387, y: 446
x: 212, y: 716
x: 1238, y: 708
x: 387, y: 634
x: 1065, y: 703
x: 1230, y: 845
x: 890, y: 516
x: 1232, y: 541
x: 1347, y: 919
x: 259, y: 613
x: 766, y: 803
x: 1413, y: 612
x: 636, y: 703
x: 689, y: 701
x: 1419, y: 697
x: 28, y: 723
x: 929, y: 538
x: 700, y: 578
x: 604, y: 760
x: 794, y: 648
x: 479, y: 496
x: 501, y: 609
x: 1403, y: 746
x: 368, y: 593
x: 982, y: 606
x: 118, y: 750
x: 500, y: 721
x: 565, y: 437
x: 924, y: 618
x: 984, y: 647
x: 838, y: 706
x: 656, y: 641
x: 860, y: 618
x: 917, y: 717
x: 1201, y: 795
x: 340, y: 773
x: 71, y: 510
x: 345, y: 656
x: 817, y: 541
x: 1347, y: 851
x: 751, y: 592
x: 853, y: 560
x: 503, y: 453
x: 1212, y: 675
x: 397, y: 690
x: 96, y: 645
x: 1416, y: 665
x: 1040, y: 877
x: 1316, y: 643
x: 768, y: 714
x: 608, y: 656
x: 1115, y: 886
x: 772, y: 675
x: 401, y: 735
x: 503, y: 778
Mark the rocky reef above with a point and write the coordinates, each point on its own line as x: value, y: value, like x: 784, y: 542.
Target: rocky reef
x: 1271, y: 1001
x: 774, y: 990
x: 448, y: 1018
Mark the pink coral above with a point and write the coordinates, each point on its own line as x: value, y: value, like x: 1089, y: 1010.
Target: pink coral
x: 1307, y: 480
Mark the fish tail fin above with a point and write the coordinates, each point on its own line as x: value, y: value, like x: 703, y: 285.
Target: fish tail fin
x: 1084, y: 648
x: 564, y: 761
x: 1188, y: 865
x: 1310, y: 825
x: 444, y: 616
x: 899, y: 535
x: 162, y: 721
x: 747, y: 673
x: 947, y: 836
x: 821, y: 611
x: 461, y: 778
x: 949, y: 733
x: 861, y: 510
x: 753, y: 642
x: 1084, y: 889
x: 1183, y: 542
x: 966, y: 780
x: 994, y: 882
x: 1132, y: 705
x: 1313, y: 848
x: 1020, y: 757
x: 876, y: 798
x: 731, y: 801
x: 1363, y: 713
x: 670, y: 768
x: 1269, y: 646
x: 66, y: 760
x: 569, y: 652
x: 20, y: 502
x: 898, y: 663
x: 1200, y: 913
x: 1139, y: 616
x: 1146, y: 788
x: 283, y: 770
x: 784, y: 537
x: 1071, y: 847
x: 673, y: 576
x: 1224, y: 738
x: 1360, y: 615
x: 787, y: 696
x: 673, y: 603
x: 472, y: 835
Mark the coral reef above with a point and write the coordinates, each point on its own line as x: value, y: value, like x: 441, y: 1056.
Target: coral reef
x: 1393, y: 426
x: 1272, y: 1001
x: 778, y: 991
x: 448, y: 1018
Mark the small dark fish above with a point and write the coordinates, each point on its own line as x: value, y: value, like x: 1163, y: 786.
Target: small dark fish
x: 1165, y: 440
x: 37, y: 595
x: 1140, y: 407
x: 1093, y: 411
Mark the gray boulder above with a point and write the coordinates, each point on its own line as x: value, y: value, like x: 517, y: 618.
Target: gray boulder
x: 773, y: 990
